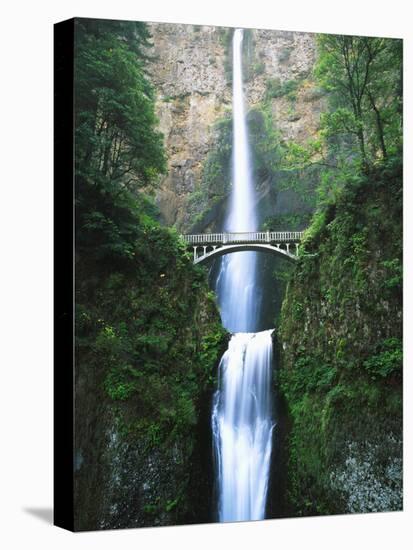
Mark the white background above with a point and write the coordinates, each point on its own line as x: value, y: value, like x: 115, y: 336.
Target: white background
x: 26, y: 272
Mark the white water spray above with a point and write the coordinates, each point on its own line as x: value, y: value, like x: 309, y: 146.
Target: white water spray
x: 241, y: 417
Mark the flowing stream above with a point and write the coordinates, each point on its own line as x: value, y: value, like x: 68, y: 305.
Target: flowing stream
x: 242, y: 411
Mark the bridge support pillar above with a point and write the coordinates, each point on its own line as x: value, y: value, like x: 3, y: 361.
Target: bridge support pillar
x: 194, y: 247
x: 296, y: 249
x: 288, y: 247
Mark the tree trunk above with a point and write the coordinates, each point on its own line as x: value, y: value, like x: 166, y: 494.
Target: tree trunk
x: 379, y: 124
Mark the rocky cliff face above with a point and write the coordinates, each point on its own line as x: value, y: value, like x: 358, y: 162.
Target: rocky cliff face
x: 189, y: 77
x: 287, y: 57
x: 192, y: 75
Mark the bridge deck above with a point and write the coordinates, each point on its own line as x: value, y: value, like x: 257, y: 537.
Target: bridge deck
x: 247, y: 237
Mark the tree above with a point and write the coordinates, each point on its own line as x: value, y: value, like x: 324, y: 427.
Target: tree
x: 362, y: 76
x: 118, y: 150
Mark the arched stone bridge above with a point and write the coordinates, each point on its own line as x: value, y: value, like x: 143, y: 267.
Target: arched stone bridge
x: 210, y: 245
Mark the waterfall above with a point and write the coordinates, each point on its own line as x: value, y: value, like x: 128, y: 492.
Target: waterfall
x: 236, y: 283
x: 242, y: 412
x: 242, y: 426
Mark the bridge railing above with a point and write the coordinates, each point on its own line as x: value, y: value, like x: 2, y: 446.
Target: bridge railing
x: 246, y: 237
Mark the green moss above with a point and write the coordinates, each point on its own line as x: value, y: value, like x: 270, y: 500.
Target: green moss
x: 216, y: 175
x: 275, y: 88
x: 265, y: 142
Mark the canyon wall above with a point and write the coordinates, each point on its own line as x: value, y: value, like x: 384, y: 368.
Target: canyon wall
x: 340, y: 343
x: 191, y: 71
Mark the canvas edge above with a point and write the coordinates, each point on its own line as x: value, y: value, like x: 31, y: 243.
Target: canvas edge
x: 63, y: 275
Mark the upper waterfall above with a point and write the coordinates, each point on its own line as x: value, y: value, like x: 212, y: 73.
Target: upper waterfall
x: 238, y: 295
x: 242, y: 216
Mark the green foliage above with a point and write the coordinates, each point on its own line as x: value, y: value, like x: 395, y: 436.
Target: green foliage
x: 295, y: 222
x: 315, y: 229
x: 117, y: 385
x: 210, y: 349
x: 159, y: 506
x: 153, y: 332
x: 171, y: 504
x: 362, y: 126
x: 394, y: 277
x: 363, y: 76
x: 275, y: 88
x: 388, y: 361
x: 341, y: 334
x: 265, y: 142
x: 310, y: 374
x: 284, y: 163
x: 216, y: 172
x: 216, y: 175
x: 116, y: 140
x: 296, y: 156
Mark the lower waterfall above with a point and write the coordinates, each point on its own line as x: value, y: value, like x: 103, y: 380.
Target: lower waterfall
x: 242, y: 426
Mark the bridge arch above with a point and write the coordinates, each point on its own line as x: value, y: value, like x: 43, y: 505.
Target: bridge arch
x: 206, y: 252
x: 210, y: 245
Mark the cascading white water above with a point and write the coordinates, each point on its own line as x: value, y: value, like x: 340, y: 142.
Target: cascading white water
x: 236, y: 283
x: 242, y: 426
x: 241, y: 416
